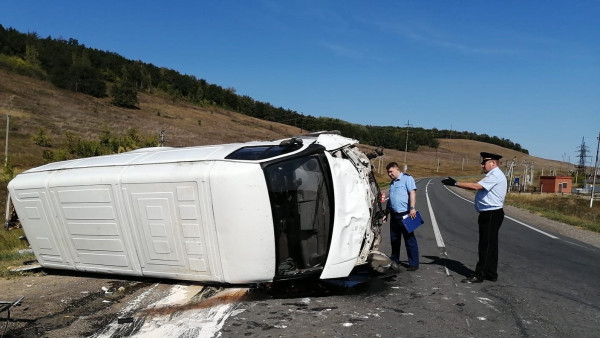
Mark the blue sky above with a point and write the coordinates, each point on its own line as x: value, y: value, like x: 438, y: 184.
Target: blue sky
x: 528, y: 71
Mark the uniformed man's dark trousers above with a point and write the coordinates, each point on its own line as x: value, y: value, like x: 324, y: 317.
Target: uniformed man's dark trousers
x: 489, y: 225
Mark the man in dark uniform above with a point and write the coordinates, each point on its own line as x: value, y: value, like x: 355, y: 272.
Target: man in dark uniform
x: 489, y: 200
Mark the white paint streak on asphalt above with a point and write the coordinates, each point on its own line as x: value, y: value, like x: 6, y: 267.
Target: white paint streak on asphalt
x: 191, y: 323
x: 201, y: 322
x: 178, y: 295
x: 487, y: 302
x: 185, y: 323
x: 112, y: 328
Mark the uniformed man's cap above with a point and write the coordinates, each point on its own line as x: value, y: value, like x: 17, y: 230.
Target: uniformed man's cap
x: 489, y: 156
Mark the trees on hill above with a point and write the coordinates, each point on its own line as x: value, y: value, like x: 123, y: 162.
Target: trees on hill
x: 124, y: 94
x: 70, y: 65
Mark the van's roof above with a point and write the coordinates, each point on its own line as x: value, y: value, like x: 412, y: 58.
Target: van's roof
x: 157, y: 155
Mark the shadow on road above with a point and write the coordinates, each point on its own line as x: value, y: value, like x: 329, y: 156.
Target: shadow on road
x: 452, y: 265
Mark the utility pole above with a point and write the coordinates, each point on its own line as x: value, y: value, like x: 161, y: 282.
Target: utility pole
x: 9, y: 105
x: 526, y: 165
x: 6, y: 144
x: 161, y: 138
x: 408, y: 125
x: 595, y: 173
x: 509, y: 173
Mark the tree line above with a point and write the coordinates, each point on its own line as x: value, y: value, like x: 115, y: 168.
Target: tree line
x: 73, y: 66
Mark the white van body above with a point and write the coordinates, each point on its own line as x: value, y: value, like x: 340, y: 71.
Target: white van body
x: 234, y: 213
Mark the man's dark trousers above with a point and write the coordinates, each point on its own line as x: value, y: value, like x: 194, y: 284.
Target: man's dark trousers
x: 397, y: 231
x: 489, y: 226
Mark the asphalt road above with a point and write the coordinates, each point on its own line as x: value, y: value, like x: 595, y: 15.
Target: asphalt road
x: 548, y: 286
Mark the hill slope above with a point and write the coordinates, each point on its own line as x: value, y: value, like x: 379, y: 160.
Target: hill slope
x: 33, y: 104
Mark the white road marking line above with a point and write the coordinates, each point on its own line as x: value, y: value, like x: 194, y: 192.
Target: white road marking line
x: 436, y: 230
x: 512, y: 219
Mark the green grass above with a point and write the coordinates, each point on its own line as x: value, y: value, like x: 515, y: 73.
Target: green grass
x: 10, y: 244
x: 568, y: 209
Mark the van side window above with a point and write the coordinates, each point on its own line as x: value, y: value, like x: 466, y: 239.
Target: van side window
x: 302, y: 213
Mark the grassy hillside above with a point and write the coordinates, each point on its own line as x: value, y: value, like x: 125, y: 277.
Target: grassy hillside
x: 34, y: 104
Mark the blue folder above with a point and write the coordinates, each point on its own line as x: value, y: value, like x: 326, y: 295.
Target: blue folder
x: 411, y: 224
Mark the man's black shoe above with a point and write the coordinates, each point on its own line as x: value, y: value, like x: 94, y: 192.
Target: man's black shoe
x: 412, y: 268
x: 472, y: 279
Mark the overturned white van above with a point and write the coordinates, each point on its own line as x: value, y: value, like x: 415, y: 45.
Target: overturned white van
x: 234, y: 213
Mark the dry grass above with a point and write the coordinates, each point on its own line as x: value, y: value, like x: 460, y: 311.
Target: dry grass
x: 460, y: 158
x: 34, y: 104
x: 10, y: 244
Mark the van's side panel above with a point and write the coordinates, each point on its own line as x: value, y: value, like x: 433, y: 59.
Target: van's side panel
x: 32, y: 204
x: 168, y: 209
x: 245, y: 233
x: 350, y: 221
x: 88, y: 216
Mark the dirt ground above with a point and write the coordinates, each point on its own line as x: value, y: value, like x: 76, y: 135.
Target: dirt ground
x: 68, y: 304
x: 63, y: 304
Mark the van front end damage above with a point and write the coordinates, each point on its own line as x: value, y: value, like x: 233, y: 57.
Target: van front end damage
x: 358, y: 213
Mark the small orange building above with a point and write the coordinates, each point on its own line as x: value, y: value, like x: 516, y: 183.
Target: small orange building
x: 556, y: 184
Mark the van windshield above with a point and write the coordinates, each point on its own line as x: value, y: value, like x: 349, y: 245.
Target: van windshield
x: 260, y: 152
x: 299, y: 191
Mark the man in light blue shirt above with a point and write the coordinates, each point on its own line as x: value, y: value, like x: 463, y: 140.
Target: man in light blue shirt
x: 402, y: 201
x: 493, y: 189
x: 489, y: 200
